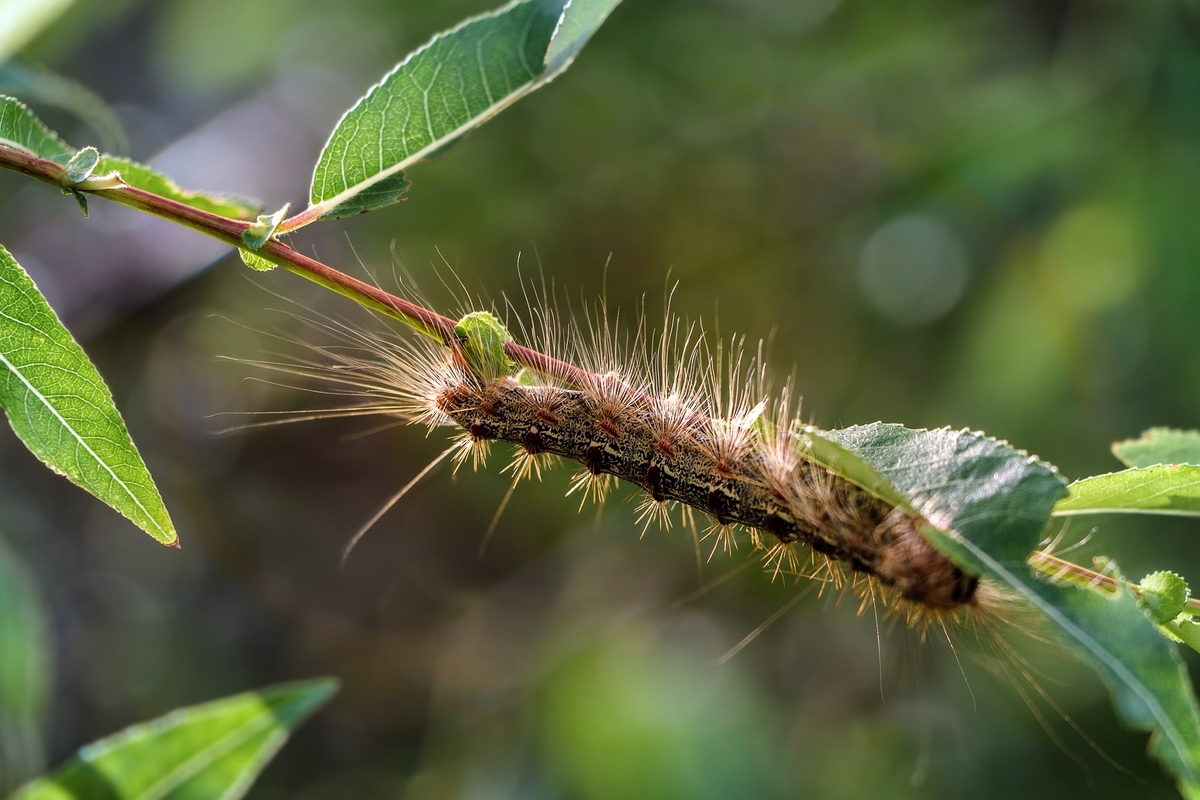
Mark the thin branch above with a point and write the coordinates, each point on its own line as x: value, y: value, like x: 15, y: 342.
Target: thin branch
x: 417, y: 317
x: 1069, y: 572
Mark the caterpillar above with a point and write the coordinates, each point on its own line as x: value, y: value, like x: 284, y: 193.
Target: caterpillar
x: 664, y: 416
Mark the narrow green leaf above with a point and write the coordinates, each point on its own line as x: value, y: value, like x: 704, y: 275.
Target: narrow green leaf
x: 1160, y: 446
x: 80, y: 199
x: 59, y: 406
x: 987, y: 505
x: 143, y: 177
x: 41, y: 86
x: 453, y: 84
x: 22, y: 130
x: 1168, y: 489
x: 25, y: 673
x: 207, y: 751
x: 1186, y: 630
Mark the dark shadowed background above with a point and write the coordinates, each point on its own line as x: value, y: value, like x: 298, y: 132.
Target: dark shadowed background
x: 939, y: 212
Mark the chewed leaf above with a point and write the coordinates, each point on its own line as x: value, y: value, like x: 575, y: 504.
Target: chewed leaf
x: 22, y: 130
x: 1170, y: 489
x: 59, y: 406
x: 143, y: 177
x: 255, y: 261
x: 1160, y: 446
x: 454, y: 83
x: 822, y: 447
x: 212, y: 750
x: 988, y: 505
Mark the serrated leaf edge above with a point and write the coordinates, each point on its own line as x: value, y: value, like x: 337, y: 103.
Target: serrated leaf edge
x: 318, y: 210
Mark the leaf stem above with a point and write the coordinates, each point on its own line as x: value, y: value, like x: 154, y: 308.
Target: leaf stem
x: 230, y: 231
x: 305, y: 217
x: 1069, y: 572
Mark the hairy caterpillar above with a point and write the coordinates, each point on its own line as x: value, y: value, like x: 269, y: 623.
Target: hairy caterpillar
x: 662, y: 415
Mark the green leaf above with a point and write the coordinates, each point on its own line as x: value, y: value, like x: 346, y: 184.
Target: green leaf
x: 1169, y: 489
x: 40, y: 86
x: 143, y: 177
x: 255, y: 261
x: 823, y: 447
x: 212, y: 750
x: 22, y: 130
x: 1186, y: 630
x: 1160, y: 446
x: 580, y: 19
x: 987, y: 505
x: 456, y: 82
x: 962, y: 482
x: 263, y: 228
x: 81, y: 165
x: 25, y: 672
x: 60, y: 408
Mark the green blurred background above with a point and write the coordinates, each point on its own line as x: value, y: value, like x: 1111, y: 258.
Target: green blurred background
x: 939, y: 213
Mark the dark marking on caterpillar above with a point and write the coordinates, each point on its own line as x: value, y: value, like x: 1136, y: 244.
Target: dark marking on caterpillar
x: 714, y: 504
x: 532, y: 441
x: 593, y: 459
x: 653, y: 482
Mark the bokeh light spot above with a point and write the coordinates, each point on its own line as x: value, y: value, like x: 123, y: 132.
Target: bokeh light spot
x: 912, y: 270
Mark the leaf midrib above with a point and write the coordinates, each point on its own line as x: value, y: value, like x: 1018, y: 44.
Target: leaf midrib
x: 82, y: 442
x: 1166, y: 724
x: 536, y: 80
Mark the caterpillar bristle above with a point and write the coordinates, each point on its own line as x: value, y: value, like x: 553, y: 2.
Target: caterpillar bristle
x: 724, y: 538
x: 653, y: 512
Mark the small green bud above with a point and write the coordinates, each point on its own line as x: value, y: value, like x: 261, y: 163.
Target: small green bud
x: 1164, y: 594
x: 483, y: 339
x: 80, y: 167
